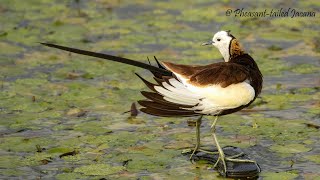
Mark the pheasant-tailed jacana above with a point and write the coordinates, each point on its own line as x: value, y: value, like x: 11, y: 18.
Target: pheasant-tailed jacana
x: 192, y: 90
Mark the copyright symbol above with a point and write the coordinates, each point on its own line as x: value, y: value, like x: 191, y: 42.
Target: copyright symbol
x: 228, y: 12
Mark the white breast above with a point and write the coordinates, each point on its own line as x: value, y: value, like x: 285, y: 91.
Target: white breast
x: 217, y: 98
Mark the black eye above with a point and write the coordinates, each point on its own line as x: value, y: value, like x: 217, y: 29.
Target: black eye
x: 218, y: 39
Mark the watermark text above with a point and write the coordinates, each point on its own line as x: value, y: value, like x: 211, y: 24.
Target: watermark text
x: 282, y: 12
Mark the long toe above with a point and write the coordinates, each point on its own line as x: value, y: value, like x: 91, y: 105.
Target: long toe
x: 238, y: 164
x: 240, y: 168
x: 208, y: 151
x: 201, y: 153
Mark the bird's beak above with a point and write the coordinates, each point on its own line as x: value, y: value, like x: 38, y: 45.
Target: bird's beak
x: 207, y: 43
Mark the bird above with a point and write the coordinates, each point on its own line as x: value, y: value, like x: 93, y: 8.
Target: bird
x: 215, y: 89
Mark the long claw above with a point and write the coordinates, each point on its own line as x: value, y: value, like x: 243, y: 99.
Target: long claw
x: 227, y: 159
x: 240, y: 160
x: 194, y: 151
x: 235, y: 156
x: 243, y: 161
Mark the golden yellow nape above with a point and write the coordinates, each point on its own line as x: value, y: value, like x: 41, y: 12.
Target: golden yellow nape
x: 235, y: 48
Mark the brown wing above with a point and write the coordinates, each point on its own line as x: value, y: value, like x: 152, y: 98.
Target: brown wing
x: 224, y: 74
x: 184, y: 70
x: 218, y: 73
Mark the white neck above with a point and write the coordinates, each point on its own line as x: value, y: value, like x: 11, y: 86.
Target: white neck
x: 225, y: 53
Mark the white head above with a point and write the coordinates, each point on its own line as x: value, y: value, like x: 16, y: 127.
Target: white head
x: 222, y: 40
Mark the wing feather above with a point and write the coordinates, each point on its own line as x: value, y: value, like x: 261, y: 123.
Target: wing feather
x: 194, y: 90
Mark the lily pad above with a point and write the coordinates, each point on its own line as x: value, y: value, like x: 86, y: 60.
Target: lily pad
x: 7, y: 49
x: 279, y: 175
x: 10, y: 161
x: 99, y: 169
x: 314, y: 158
x: 69, y: 176
x: 54, y: 102
x: 290, y: 148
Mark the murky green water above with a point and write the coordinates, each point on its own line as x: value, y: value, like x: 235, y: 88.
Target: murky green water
x: 53, y: 102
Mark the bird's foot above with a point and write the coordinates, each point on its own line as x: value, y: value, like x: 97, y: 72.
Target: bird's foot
x: 232, y: 159
x: 233, y: 163
x: 196, y: 150
x: 223, y: 165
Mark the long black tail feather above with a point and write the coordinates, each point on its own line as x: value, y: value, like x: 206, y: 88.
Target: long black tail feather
x: 156, y: 104
x: 157, y: 71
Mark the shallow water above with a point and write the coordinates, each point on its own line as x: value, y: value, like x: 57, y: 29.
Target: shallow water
x: 53, y: 102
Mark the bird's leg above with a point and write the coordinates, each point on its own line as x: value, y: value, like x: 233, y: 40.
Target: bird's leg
x: 222, y: 156
x: 197, y: 147
x: 198, y: 124
x: 221, y: 153
x: 213, y: 125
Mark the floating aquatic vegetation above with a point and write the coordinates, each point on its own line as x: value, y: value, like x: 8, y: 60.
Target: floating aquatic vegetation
x: 53, y: 102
